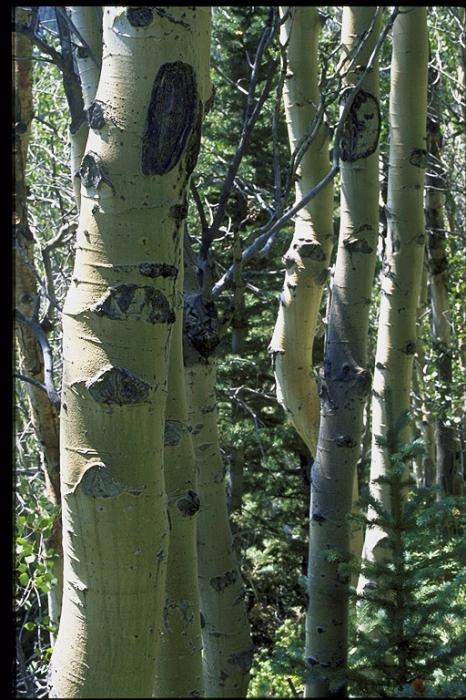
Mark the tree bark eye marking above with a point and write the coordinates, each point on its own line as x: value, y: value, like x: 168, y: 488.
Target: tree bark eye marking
x: 127, y: 302
x: 117, y: 385
x: 362, y: 128
x: 96, y: 115
x: 98, y: 482
x: 139, y: 16
x: 243, y: 659
x: 219, y: 583
x: 171, y: 117
x: 188, y: 504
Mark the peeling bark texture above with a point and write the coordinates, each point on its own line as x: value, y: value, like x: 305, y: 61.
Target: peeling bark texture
x: 44, y: 415
x: 171, y: 117
x: 346, y: 381
x: 117, y: 331
x: 308, y: 255
x: 402, y: 273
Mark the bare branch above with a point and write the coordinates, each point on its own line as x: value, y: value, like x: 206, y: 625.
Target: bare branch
x: 46, y: 354
x: 267, y: 231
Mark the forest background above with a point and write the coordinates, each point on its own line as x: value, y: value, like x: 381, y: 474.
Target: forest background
x: 244, y: 172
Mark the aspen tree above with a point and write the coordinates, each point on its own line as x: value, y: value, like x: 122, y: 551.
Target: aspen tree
x: 307, y: 258
x: 44, y: 413
x: 227, y: 648
x: 448, y: 476
x: 179, y: 668
x: 345, y: 379
x: 87, y: 21
x: 402, y: 271
x: 117, y: 324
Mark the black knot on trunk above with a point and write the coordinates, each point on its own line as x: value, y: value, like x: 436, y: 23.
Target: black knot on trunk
x: 312, y: 661
x: 410, y: 347
x: 201, y: 326
x: 418, y: 157
x: 96, y: 116
x: 188, y: 504
x: 139, y: 16
x: 318, y: 518
x: 345, y: 441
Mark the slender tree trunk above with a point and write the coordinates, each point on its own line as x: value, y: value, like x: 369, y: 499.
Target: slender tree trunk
x: 44, y: 413
x: 447, y: 468
x: 307, y: 258
x: 88, y: 59
x: 118, y: 319
x: 239, y: 330
x: 345, y: 377
x: 396, y: 342
x: 424, y: 465
x: 179, y: 669
x: 227, y: 648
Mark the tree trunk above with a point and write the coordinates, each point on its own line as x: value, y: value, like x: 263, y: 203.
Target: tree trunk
x: 307, y: 258
x: 88, y: 22
x: 424, y: 464
x: 179, y: 668
x: 227, y: 649
x: 448, y: 476
x: 117, y: 324
x: 345, y: 377
x: 396, y: 341
x: 44, y: 414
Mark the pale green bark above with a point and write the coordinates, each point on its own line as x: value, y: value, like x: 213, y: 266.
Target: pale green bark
x: 179, y: 668
x: 308, y: 256
x: 227, y: 648
x: 227, y: 645
x: 401, y: 279
x: 345, y: 377
x: 448, y: 476
x: 88, y: 22
x: 117, y: 325
x: 424, y: 464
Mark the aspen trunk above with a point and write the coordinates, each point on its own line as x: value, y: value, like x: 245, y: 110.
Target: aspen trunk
x: 179, y: 671
x: 88, y: 22
x: 424, y: 465
x: 345, y: 377
x: 227, y: 648
x: 44, y: 413
x: 307, y: 258
x: 401, y: 280
x: 448, y: 476
x: 117, y: 324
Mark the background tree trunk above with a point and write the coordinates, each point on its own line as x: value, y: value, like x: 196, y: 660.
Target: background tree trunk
x: 448, y: 476
x: 308, y: 256
x: 402, y: 272
x: 179, y: 668
x: 346, y: 380
x: 227, y: 648
x: 31, y: 338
